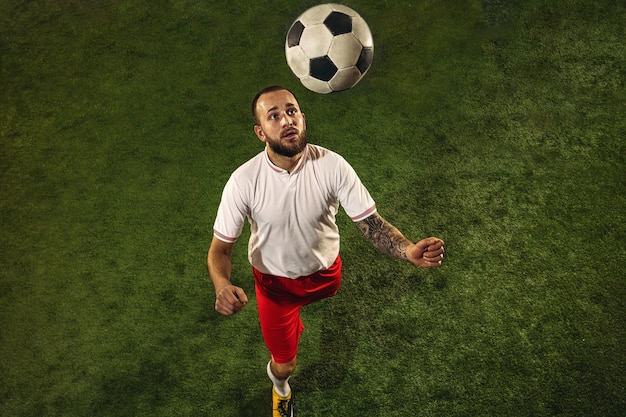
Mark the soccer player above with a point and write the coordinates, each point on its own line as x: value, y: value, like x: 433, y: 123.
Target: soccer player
x: 290, y: 193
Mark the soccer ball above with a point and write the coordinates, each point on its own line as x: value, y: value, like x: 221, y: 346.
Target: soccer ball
x: 329, y: 48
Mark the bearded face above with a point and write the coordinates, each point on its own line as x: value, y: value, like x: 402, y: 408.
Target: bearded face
x: 280, y: 123
x: 290, y: 143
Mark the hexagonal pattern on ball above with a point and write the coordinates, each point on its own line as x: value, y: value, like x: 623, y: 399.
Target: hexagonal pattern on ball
x: 345, y: 50
x: 329, y: 48
x: 316, y: 40
x: 316, y: 85
x: 298, y: 62
x: 345, y: 78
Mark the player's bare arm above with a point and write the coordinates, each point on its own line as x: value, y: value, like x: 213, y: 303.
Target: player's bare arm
x: 229, y: 299
x: 427, y: 253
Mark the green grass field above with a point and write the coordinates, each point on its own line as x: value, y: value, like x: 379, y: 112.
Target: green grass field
x: 498, y: 125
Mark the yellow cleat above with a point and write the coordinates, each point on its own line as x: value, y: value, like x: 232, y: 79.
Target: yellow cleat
x: 281, y: 406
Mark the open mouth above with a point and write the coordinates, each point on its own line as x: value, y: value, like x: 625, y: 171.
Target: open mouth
x: 290, y: 134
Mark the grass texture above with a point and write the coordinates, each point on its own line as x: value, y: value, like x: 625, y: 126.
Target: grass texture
x: 497, y: 125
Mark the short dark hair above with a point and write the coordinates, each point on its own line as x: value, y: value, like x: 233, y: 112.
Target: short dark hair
x: 265, y: 90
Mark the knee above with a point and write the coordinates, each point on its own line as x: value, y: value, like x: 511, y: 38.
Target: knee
x: 283, y: 370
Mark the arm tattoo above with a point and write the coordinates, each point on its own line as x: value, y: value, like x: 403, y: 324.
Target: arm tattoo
x: 384, y: 236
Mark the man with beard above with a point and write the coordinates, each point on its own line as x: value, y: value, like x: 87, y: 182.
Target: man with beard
x: 290, y: 194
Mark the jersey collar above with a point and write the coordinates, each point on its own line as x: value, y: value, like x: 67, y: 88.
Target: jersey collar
x: 298, y: 167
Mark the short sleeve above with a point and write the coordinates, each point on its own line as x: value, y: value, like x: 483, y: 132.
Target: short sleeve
x: 231, y: 213
x: 352, y: 194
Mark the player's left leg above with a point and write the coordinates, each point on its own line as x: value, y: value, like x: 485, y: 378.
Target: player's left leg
x: 280, y: 371
x: 281, y: 327
x: 282, y: 406
x: 279, y: 301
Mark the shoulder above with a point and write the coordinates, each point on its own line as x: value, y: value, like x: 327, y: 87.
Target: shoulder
x: 249, y: 168
x: 243, y: 178
x: 330, y: 160
x: 320, y: 154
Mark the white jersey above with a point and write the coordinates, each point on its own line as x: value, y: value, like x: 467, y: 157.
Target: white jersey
x: 292, y: 214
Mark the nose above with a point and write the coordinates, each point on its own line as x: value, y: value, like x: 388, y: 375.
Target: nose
x: 287, y: 120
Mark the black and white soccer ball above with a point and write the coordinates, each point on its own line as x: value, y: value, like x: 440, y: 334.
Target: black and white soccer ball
x: 329, y: 48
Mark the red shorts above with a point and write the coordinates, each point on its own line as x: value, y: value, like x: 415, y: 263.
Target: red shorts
x: 279, y: 302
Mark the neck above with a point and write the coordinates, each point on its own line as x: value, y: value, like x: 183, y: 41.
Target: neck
x: 288, y: 163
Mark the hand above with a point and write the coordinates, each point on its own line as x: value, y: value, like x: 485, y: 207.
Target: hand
x: 427, y: 253
x: 230, y: 300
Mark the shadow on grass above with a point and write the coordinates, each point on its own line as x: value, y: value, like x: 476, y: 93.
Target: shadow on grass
x: 124, y: 393
x: 337, y: 350
x: 257, y: 405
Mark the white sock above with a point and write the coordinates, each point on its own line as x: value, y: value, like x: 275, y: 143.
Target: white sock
x: 281, y: 385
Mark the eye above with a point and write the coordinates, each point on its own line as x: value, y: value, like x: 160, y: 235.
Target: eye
x: 291, y: 112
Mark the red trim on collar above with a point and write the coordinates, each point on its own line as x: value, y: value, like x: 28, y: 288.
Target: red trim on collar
x: 298, y: 167
x: 270, y: 163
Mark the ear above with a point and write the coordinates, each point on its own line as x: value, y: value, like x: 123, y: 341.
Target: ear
x: 258, y: 130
